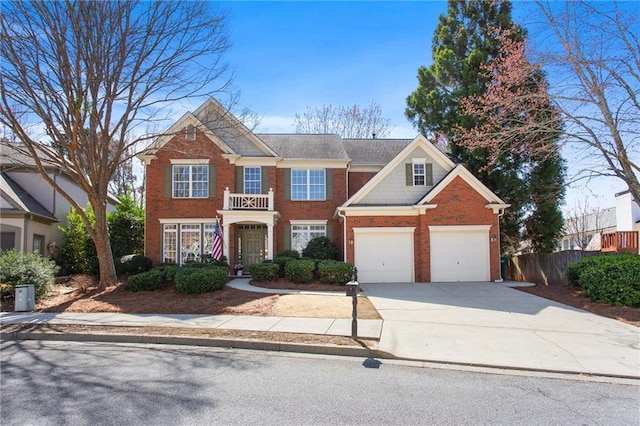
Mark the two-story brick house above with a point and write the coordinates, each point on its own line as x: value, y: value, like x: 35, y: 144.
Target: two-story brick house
x: 400, y: 210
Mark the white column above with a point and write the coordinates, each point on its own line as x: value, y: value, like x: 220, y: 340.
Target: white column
x: 270, y: 207
x: 269, y: 241
x: 225, y: 200
x: 225, y: 241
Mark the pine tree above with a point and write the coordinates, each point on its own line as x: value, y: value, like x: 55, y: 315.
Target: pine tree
x: 465, y: 45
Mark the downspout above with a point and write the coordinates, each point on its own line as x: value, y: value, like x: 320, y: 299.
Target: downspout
x: 344, y: 233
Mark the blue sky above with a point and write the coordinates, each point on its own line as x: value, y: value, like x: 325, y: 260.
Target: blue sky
x: 290, y: 55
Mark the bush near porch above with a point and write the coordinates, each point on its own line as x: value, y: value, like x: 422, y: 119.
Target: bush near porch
x: 608, y: 278
x: 192, y: 278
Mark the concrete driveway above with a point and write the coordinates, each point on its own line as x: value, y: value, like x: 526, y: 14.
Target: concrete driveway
x: 492, y: 324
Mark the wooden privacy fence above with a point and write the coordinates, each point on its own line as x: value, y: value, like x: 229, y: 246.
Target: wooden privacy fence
x: 544, y: 268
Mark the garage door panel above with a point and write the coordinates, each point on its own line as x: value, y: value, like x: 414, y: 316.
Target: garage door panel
x: 459, y: 255
x: 384, y: 256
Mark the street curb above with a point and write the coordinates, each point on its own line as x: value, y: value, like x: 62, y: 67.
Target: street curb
x: 352, y: 351
x: 262, y: 345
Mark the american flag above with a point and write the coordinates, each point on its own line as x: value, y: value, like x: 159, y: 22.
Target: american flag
x: 216, y: 253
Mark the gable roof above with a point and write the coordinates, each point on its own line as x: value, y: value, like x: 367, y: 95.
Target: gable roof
x: 419, y: 141
x: 373, y: 152
x: 20, y: 199
x: 306, y: 146
x: 467, y: 176
x: 220, y: 126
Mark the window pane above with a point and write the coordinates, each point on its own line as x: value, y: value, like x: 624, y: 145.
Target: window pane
x: 190, y: 181
x: 252, y: 180
x: 302, y: 234
x: 189, y: 243
x: 419, y: 174
x: 169, y: 251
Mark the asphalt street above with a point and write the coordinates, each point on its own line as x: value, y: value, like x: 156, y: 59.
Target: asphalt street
x: 71, y: 383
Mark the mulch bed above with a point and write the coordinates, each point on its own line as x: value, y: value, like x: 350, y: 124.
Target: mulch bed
x: 572, y: 295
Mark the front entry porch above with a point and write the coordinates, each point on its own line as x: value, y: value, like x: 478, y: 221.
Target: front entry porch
x: 248, y: 235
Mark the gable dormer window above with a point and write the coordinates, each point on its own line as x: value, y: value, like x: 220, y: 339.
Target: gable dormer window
x: 419, y: 173
x: 190, y: 132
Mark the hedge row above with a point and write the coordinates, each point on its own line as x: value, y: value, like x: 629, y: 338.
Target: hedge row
x: 610, y: 279
x: 193, y: 278
x: 303, y: 270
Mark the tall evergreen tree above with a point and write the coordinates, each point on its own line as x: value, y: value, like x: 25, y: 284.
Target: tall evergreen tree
x: 464, y: 46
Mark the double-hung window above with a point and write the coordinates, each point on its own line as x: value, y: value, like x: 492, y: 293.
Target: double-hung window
x: 418, y: 174
x: 252, y: 180
x: 308, y: 184
x: 302, y: 234
x: 190, y: 181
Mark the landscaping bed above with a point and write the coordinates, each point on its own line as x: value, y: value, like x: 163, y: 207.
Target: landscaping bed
x: 81, y: 294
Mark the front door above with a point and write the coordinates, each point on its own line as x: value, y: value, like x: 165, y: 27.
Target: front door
x: 252, y: 246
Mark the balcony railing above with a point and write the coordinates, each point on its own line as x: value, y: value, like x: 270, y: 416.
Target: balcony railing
x: 620, y: 241
x: 262, y: 202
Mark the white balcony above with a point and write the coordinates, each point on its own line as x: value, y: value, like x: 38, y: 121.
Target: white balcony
x: 261, y: 202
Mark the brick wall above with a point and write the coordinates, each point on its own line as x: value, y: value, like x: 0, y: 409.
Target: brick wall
x: 159, y: 206
x: 357, y: 180
x: 309, y: 210
x: 458, y: 204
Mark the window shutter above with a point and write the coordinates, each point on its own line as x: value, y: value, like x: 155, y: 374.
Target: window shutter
x: 264, y: 175
x: 239, y: 180
x: 330, y: 232
x: 212, y: 181
x: 409, y: 174
x: 167, y: 180
x: 287, y: 238
x: 328, y: 184
x: 428, y: 171
x: 287, y: 184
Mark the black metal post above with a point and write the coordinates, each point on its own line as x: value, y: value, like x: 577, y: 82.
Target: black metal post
x: 354, y: 315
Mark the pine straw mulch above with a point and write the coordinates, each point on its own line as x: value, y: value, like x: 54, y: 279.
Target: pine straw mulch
x: 572, y: 295
x: 80, y: 293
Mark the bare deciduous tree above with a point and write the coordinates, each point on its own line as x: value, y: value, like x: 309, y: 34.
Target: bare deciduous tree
x: 84, y: 77
x: 582, y: 222
x: 348, y: 122
x: 593, y: 55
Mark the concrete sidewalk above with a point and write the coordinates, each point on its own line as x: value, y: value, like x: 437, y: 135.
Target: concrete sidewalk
x: 367, y: 329
x: 489, y: 324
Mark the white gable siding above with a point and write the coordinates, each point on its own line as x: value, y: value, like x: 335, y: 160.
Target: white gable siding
x: 393, y: 188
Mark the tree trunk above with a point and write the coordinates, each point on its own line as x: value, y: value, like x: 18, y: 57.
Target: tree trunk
x: 108, y: 274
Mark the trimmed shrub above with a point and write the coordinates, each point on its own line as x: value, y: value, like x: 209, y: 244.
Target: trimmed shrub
x: 320, y: 248
x: 289, y: 253
x: 609, y: 278
x: 134, y: 264
x: 146, y: 281
x: 201, y: 280
x: 168, y: 271
x: 334, y: 272
x: 17, y: 268
x: 576, y: 268
x: 266, y: 271
x: 300, y: 271
x: 282, y: 261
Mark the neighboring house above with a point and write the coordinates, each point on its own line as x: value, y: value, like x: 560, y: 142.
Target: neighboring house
x: 31, y: 210
x: 399, y: 210
x: 584, y: 232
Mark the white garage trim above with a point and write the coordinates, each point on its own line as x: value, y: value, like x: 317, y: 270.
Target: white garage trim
x: 460, y: 253
x: 384, y: 254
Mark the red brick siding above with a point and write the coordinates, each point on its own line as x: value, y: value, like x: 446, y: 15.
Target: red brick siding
x: 458, y: 204
x: 311, y: 210
x: 357, y: 180
x: 158, y: 206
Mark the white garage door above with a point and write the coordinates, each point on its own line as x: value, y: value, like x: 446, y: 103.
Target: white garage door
x: 384, y: 255
x: 459, y: 253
